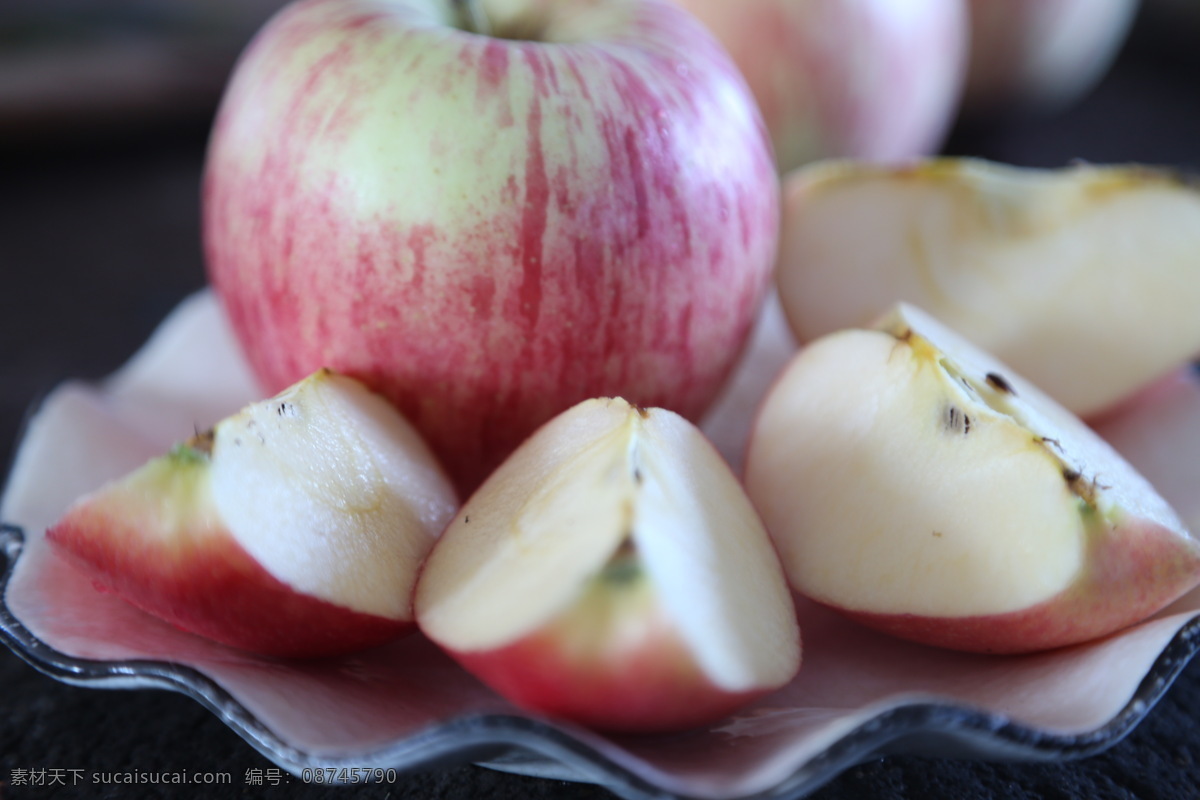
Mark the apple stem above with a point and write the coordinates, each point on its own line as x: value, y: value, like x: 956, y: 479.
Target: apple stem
x: 472, y: 18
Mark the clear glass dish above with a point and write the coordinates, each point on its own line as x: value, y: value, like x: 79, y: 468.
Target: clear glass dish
x: 405, y: 705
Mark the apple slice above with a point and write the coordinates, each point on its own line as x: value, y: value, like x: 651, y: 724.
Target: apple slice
x: 917, y: 484
x: 1056, y: 272
x: 294, y: 528
x: 613, y: 572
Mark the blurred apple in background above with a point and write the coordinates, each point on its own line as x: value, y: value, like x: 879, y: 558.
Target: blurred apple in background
x: 489, y: 229
x: 875, y: 79
x: 1041, y: 54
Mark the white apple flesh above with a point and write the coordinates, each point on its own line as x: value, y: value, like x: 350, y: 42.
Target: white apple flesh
x: 490, y: 229
x: 613, y: 573
x: 295, y: 528
x: 924, y: 488
x: 872, y: 79
x: 1056, y: 272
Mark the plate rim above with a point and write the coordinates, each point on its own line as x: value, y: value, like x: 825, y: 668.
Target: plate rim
x: 966, y: 731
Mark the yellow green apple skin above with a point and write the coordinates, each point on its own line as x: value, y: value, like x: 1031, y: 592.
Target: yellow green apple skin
x: 871, y: 79
x: 489, y: 229
x: 613, y: 573
x: 920, y: 486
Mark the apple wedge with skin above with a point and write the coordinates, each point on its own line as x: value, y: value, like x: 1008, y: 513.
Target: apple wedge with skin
x: 612, y: 572
x: 918, y: 485
x: 1056, y: 272
x: 295, y: 528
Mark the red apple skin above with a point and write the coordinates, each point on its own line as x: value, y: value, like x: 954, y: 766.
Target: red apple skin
x: 653, y: 688
x: 635, y: 271
x: 210, y: 586
x: 1131, y: 574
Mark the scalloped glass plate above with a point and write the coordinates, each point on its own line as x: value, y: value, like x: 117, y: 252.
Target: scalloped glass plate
x: 405, y: 705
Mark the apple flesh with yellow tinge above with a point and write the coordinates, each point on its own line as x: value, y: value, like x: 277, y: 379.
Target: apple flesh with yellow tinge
x: 294, y: 528
x: 1058, y: 273
x: 613, y: 573
x: 488, y: 229
x: 920, y: 486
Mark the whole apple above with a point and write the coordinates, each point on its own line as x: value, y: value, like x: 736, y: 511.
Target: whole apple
x: 488, y: 229
x: 874, y: 79
x: 1041, y: 54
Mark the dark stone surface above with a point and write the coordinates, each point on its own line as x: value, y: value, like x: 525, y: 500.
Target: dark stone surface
x: 98, y: 244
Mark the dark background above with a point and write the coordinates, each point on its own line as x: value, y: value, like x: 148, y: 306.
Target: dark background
x: 99, y: 239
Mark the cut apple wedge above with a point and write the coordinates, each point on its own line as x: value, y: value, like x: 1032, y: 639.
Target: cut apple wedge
x: 612, y: 572
x: 917, y: 484
x: 294, y: 528
x: 1059, y: 273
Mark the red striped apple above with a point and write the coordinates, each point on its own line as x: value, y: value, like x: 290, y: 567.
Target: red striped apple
x: 612, y: 572
x: 920, y: 486
x: 294, y: 528
x: 490, y: 228
x: 874, y: 79
x: 1057, y: 272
